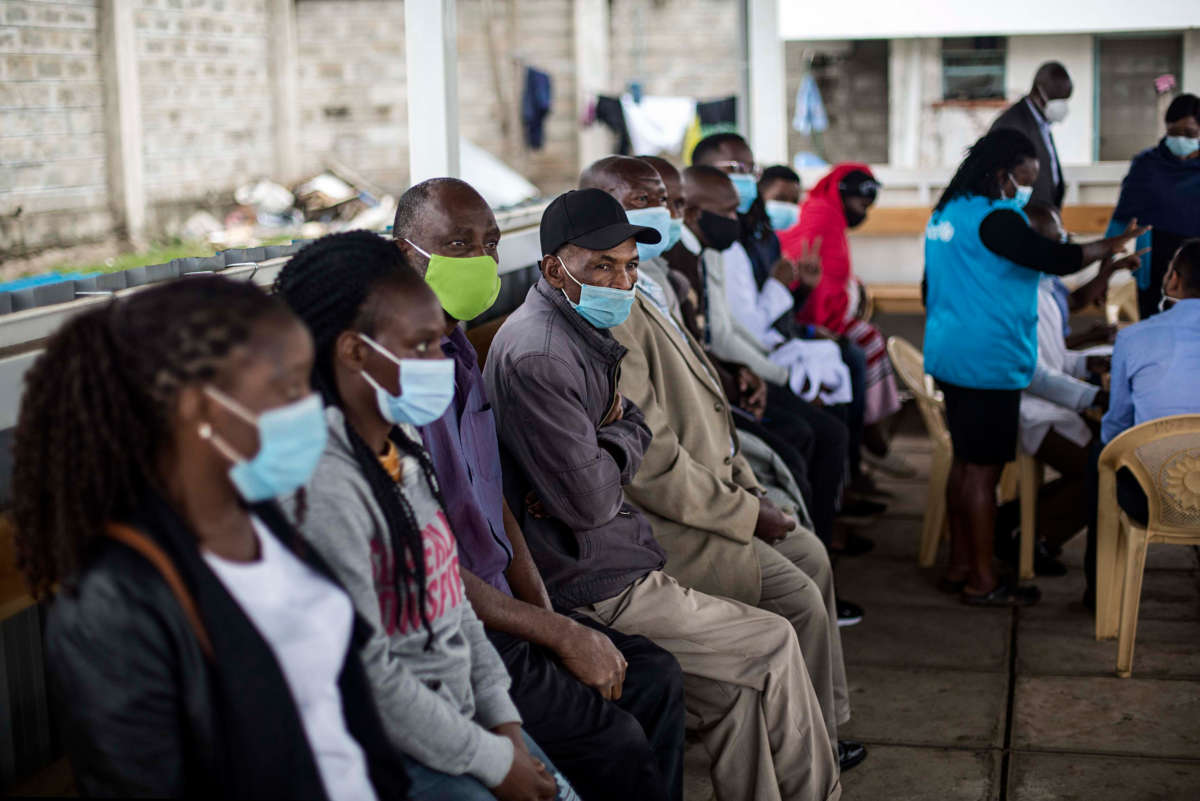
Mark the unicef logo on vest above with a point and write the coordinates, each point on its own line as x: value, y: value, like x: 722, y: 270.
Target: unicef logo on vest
x: 940, y: 232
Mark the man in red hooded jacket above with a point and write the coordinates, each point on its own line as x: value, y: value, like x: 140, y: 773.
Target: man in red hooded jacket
x: 840, y: 201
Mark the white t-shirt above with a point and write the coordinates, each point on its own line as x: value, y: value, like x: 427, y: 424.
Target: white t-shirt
x: 307, y: 622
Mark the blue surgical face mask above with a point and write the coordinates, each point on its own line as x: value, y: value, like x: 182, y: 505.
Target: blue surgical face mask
x: 783, y: 215
x: 291, y: 440
x: 426, y: 388
x: 656, y: 217
x: 675, y: 233
x: 1024, y: 193
x: 602, y: 306
x: 1183, y: 146
x: 747, y: 189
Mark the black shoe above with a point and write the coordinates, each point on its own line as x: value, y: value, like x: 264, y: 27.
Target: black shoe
x: 1044, y: 562
x: 1005, y: 593
x: 850, y: 754
x: 856, y: 545
x: 849, y: 614
x: 861, y: 507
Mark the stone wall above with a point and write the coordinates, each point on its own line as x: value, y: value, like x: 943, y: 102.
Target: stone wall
x: 53, y: 184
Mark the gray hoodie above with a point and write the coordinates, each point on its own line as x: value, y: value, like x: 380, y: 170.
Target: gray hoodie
x: 437, y: 704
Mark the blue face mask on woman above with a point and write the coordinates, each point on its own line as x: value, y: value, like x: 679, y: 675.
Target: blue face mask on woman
x: 783, y: 215
x: 658, y: 218
x: 1024, y: 193
x: 747, y: 189
x: 602, y: 306
x: 426, y: 388
x: 1183, y: 146
x: 291, y: 440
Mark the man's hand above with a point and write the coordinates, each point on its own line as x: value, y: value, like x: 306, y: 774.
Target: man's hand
x: 1101, y: 401
x: 1131, y: 262
x: 527, y: 779
x: 753, y: 392
x: 773, y: 525
x: 821, y: 332
x: 615, y: 413
x: 592, y: 658
x: 1098, y: 364
x: 785, y: 272
x: 533, y: 505
x: 808, y: 265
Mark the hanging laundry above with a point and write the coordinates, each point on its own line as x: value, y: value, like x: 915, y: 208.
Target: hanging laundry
x: 535, y: 105
x: 717, y: 113
x: 810, y: 116
x: 609, y: 114
x: 691, y: 139
x: 657, y: 124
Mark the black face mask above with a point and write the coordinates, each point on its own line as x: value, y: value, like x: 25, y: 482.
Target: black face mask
x: 721, y: 232
x: 854, y: 218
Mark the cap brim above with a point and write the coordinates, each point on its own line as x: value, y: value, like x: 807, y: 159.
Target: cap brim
x: 612, y: 235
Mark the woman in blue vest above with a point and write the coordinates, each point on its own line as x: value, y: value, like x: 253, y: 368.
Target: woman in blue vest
x: 982, y: 264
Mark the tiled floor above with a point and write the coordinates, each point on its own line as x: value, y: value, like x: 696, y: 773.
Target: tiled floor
x: 1023, y: 705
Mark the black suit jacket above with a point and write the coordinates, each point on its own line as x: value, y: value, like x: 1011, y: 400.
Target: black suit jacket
x: 1020, y: 117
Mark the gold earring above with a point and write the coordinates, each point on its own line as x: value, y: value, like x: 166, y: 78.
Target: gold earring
x: 205, y: 431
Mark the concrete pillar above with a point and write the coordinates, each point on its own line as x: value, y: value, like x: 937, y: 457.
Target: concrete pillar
x: 905, y: 70
x: 592, y: 73
x: 766, y: 84
x: 284, y: 98
x: 123, y: 117
x: 1189, y: 81
x: 431, y: 59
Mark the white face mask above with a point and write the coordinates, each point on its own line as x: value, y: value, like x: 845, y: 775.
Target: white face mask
x: 1056, y: 110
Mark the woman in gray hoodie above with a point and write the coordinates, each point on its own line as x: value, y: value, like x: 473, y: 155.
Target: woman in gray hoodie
x: 374, y: 503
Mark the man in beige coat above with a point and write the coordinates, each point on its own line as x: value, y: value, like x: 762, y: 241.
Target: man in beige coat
x: 708, y: 511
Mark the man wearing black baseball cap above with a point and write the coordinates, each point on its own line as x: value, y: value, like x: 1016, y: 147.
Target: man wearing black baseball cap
x: 552, y: 374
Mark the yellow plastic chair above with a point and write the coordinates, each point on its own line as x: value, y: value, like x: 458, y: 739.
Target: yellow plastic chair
x: 1164, y: 456
x: 909, y: 363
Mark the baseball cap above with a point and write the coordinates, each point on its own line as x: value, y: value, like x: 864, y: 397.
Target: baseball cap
x: 591, y: 219
x: 857, y: 182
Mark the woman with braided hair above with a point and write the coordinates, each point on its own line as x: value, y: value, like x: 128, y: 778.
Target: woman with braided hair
x: 194, y: 648
x: 374, y: 510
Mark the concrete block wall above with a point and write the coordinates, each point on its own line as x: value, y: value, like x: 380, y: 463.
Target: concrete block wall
x: 205, y: 98
x: 352, y: 88
x: 52, y: 146
x: 854, y: 88
x: 683, y: 47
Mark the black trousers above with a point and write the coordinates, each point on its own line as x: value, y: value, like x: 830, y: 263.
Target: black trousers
x: 620, y: 750
x: 1130, y: 498
x: 797, y: 422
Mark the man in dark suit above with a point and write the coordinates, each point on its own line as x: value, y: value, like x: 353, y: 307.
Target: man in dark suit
x: 1033, y: 115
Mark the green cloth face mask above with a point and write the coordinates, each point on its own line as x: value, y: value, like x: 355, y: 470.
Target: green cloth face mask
x: 466, y: 287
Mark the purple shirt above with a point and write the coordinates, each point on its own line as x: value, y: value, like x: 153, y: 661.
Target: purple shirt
x: 466, y: 456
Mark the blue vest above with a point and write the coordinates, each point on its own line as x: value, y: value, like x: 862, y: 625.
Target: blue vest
x: 980, y: 309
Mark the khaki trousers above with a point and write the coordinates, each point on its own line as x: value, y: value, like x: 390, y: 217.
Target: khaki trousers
x: 797, y: 584
x: 747, y: 690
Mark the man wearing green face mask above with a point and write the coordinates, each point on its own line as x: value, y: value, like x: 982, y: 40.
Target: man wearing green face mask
x: 608, y: 705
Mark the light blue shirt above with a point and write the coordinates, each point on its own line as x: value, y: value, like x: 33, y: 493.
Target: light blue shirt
x: 1155, y: 369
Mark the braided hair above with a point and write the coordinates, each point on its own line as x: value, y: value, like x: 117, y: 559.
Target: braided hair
x: 329, y: 284
x: 1002, y: 148
x: 96, y: 411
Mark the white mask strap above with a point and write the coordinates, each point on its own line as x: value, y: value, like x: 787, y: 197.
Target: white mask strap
x: 379, y: 347
x: 417, y: 248
x: 232, y: 405
x: 568, y: 272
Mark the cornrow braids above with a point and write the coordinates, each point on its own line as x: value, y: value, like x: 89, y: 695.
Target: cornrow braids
x: 96, y: 409
x: 329, y: 285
